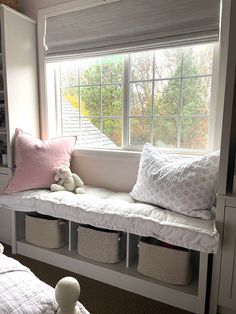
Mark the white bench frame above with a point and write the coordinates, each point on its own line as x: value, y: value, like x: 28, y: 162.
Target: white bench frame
x: 122, y: 275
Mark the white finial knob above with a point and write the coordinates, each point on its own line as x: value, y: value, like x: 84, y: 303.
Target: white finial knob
x: 67, y: 292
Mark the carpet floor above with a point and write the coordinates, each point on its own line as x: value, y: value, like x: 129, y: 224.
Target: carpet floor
x: 97, y: 297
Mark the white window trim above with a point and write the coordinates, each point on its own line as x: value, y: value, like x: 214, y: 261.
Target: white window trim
x: 48, y: 126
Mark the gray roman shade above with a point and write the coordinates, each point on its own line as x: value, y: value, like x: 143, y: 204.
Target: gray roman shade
x: 127, y: 25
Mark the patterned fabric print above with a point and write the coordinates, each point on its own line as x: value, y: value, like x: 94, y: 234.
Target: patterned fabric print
x: 184, y: 185
x: 23, y: 293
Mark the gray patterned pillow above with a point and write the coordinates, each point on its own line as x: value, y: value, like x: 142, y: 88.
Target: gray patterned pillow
x: 184, y: 185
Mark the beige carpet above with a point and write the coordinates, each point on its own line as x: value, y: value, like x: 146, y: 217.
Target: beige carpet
x: 97, y: 297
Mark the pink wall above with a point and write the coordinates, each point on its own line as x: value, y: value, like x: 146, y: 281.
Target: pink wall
x: 30, y: 7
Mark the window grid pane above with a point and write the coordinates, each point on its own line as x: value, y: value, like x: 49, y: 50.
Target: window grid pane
x: 181, y: 102
x: 194, y: 132
x: 153, y: 89
x: 170, y: 92
x: 110, y: 113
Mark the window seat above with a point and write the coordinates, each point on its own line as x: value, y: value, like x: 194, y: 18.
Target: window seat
x: 118, y: 211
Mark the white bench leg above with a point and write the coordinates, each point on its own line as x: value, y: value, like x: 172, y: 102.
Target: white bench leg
x: 202, y: 283
x: 13, y: 231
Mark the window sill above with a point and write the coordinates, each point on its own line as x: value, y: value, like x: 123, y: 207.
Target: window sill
x: 106, y: 153
x: 126, y: 154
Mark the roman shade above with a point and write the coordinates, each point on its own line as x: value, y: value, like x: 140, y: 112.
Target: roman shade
x: 127, y: 25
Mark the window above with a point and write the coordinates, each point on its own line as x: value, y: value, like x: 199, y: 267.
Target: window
x: 123, y: 101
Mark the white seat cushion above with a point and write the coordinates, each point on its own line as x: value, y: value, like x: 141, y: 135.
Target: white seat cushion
x: 118, y: 211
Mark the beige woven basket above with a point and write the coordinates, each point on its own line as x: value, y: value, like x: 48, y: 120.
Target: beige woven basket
x: 100, y: 245
x: 45, y: 231
x: 165, y: 264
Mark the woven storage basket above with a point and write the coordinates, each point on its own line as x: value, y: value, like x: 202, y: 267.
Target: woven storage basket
x: 100, y: 244
x: 45, y: 231
x: 164, y: 263
x: 11, y: 3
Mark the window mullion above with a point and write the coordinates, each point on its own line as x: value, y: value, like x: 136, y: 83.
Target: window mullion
x: 101, y: 111
x: 125, y: 135
x: 79, y: 98
x: 57, y: 93
x: 153, y: 90
x: 180, y: 103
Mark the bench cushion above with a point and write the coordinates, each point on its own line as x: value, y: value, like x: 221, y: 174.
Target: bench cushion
x: 118, y: 211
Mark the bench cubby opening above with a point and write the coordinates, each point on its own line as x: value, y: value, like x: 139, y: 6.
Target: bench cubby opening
x: 165, y: 262
x: 103, y: 245
x: 46, y: 231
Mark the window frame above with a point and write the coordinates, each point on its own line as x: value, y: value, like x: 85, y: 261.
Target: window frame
x: 49, y: 125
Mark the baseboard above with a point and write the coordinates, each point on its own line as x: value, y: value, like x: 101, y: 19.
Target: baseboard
x: 223, y: 310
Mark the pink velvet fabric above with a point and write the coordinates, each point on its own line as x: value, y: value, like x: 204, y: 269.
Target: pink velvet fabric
x: 36, y: 161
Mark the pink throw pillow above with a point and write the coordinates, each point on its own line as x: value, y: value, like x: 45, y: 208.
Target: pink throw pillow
x: 36, y: 161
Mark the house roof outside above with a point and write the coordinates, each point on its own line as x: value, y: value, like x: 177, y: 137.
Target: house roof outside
x: 89, y: 135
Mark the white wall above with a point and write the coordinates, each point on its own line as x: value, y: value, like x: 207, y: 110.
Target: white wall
x: 31, y: 7
x: 111, y: 170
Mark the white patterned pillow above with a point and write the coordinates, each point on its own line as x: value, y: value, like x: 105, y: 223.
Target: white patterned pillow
x: 184, y: 185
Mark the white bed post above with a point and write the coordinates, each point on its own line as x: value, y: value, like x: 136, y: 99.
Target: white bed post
x: 67, y: 292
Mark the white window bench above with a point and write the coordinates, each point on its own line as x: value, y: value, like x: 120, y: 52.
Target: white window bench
x: 123, y: 274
